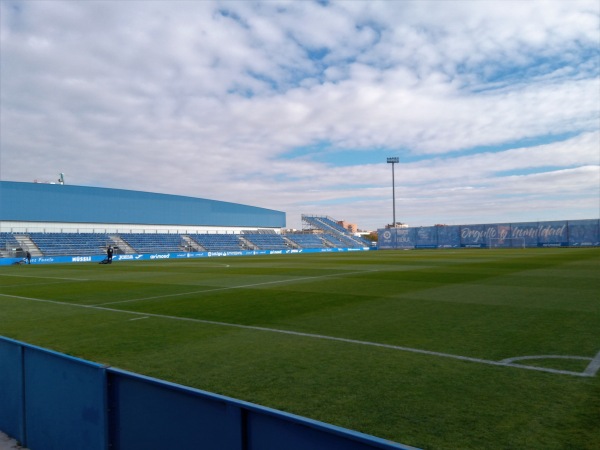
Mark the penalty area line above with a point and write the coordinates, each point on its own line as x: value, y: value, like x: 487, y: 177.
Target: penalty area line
x: 589, y: 372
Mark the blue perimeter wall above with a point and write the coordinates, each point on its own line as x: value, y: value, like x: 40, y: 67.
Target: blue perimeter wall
x: 51, y: 401
x: 565, y: 233
x: 41, y: 202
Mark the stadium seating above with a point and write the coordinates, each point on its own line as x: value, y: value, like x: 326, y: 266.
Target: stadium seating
x: 56, y: 244
x: 217, y: 242
x: 153, y: 242
x: 306, y: 240
x: 76, y: 244
x: 7, y: 241
x: 266, y: 241
x: 337, y: 235
x: 334, y: 241
x: 331, y: 225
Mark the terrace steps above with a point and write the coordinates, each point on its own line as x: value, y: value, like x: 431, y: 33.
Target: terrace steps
x: 26, y: 243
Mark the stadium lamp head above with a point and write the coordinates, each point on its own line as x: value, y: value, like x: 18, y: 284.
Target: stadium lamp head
x: 393, y: 160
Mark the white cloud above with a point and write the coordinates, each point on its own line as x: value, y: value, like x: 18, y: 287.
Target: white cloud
x: 209, y: 99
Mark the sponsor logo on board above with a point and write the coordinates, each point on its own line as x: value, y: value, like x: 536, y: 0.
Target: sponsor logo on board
x: 81, y: 258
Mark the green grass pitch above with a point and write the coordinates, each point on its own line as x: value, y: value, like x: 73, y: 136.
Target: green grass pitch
x: 446, y: 349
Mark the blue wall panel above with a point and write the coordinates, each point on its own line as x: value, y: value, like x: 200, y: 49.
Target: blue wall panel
x: 449, y: 236
x: 527, y: 231
x: 70, y: 403
x: 267, y: 432
x: 426, y: 237
x: 11, y: 389
x: 575, y: 233
x: 65, y: 402
x: 553, y: 234
x: 398, y: 238
x: 477, y: 235
x: 150, y: 415
x: 584, y: 233
x: 39, y: 202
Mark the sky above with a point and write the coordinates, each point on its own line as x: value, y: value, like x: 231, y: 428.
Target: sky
x: 492, y: 107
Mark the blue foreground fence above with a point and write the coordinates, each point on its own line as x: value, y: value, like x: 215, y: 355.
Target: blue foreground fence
x: 51, y: 401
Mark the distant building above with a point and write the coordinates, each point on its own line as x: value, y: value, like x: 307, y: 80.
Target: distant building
x: 351, y: 227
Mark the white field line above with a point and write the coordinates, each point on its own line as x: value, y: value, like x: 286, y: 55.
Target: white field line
x: 190, y: 264
x: 587, y: 373
x: 594, y: 366
x: 33, y: 284
x: 524, y: 358
x: 203, y: 291
x: 50, y: 278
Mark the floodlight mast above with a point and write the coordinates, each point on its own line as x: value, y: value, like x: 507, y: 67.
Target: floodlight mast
x: 392, y: 161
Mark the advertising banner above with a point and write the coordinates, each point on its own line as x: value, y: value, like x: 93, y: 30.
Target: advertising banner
x: 502, y: 237
x: 584, y: 233
x: 528, y: 231
x: 405, y: 237
x: 426, y: 237
x: 397, y: 238
x: 448, y: 236
x: 386, y: 238
x: 575, y: 233
x: 166, y: 255
x: 477, y: 235
x: 553, y: 234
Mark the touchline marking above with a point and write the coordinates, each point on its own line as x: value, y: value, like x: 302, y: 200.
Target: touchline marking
x: 51, y: 278
x: 288, y: 280
x: 589, y: 372
x: 188, y: 263
x: 139, y: 318
x: 33, y: 284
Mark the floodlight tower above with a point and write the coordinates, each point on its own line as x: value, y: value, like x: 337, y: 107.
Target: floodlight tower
x: 392, y: 161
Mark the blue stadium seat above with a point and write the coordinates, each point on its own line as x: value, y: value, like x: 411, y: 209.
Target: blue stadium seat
x: 58, y: 244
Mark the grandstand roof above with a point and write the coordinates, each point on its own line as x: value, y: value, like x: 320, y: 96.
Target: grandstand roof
x: 41, y: 202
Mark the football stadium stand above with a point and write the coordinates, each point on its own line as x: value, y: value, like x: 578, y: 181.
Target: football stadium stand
x: 337, y: 235
x: 217, y: 242
x: 154, y: 242
x: 7, y: 240
x: 57, y: 220
x: 55, y: 244
x: 306, y: 240
x: 333, y: 241
x: 265, y: 241
x: 79, y: 244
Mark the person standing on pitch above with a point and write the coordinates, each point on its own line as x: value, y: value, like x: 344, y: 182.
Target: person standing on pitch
x: 28, y: 256
x: 109, y: 254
